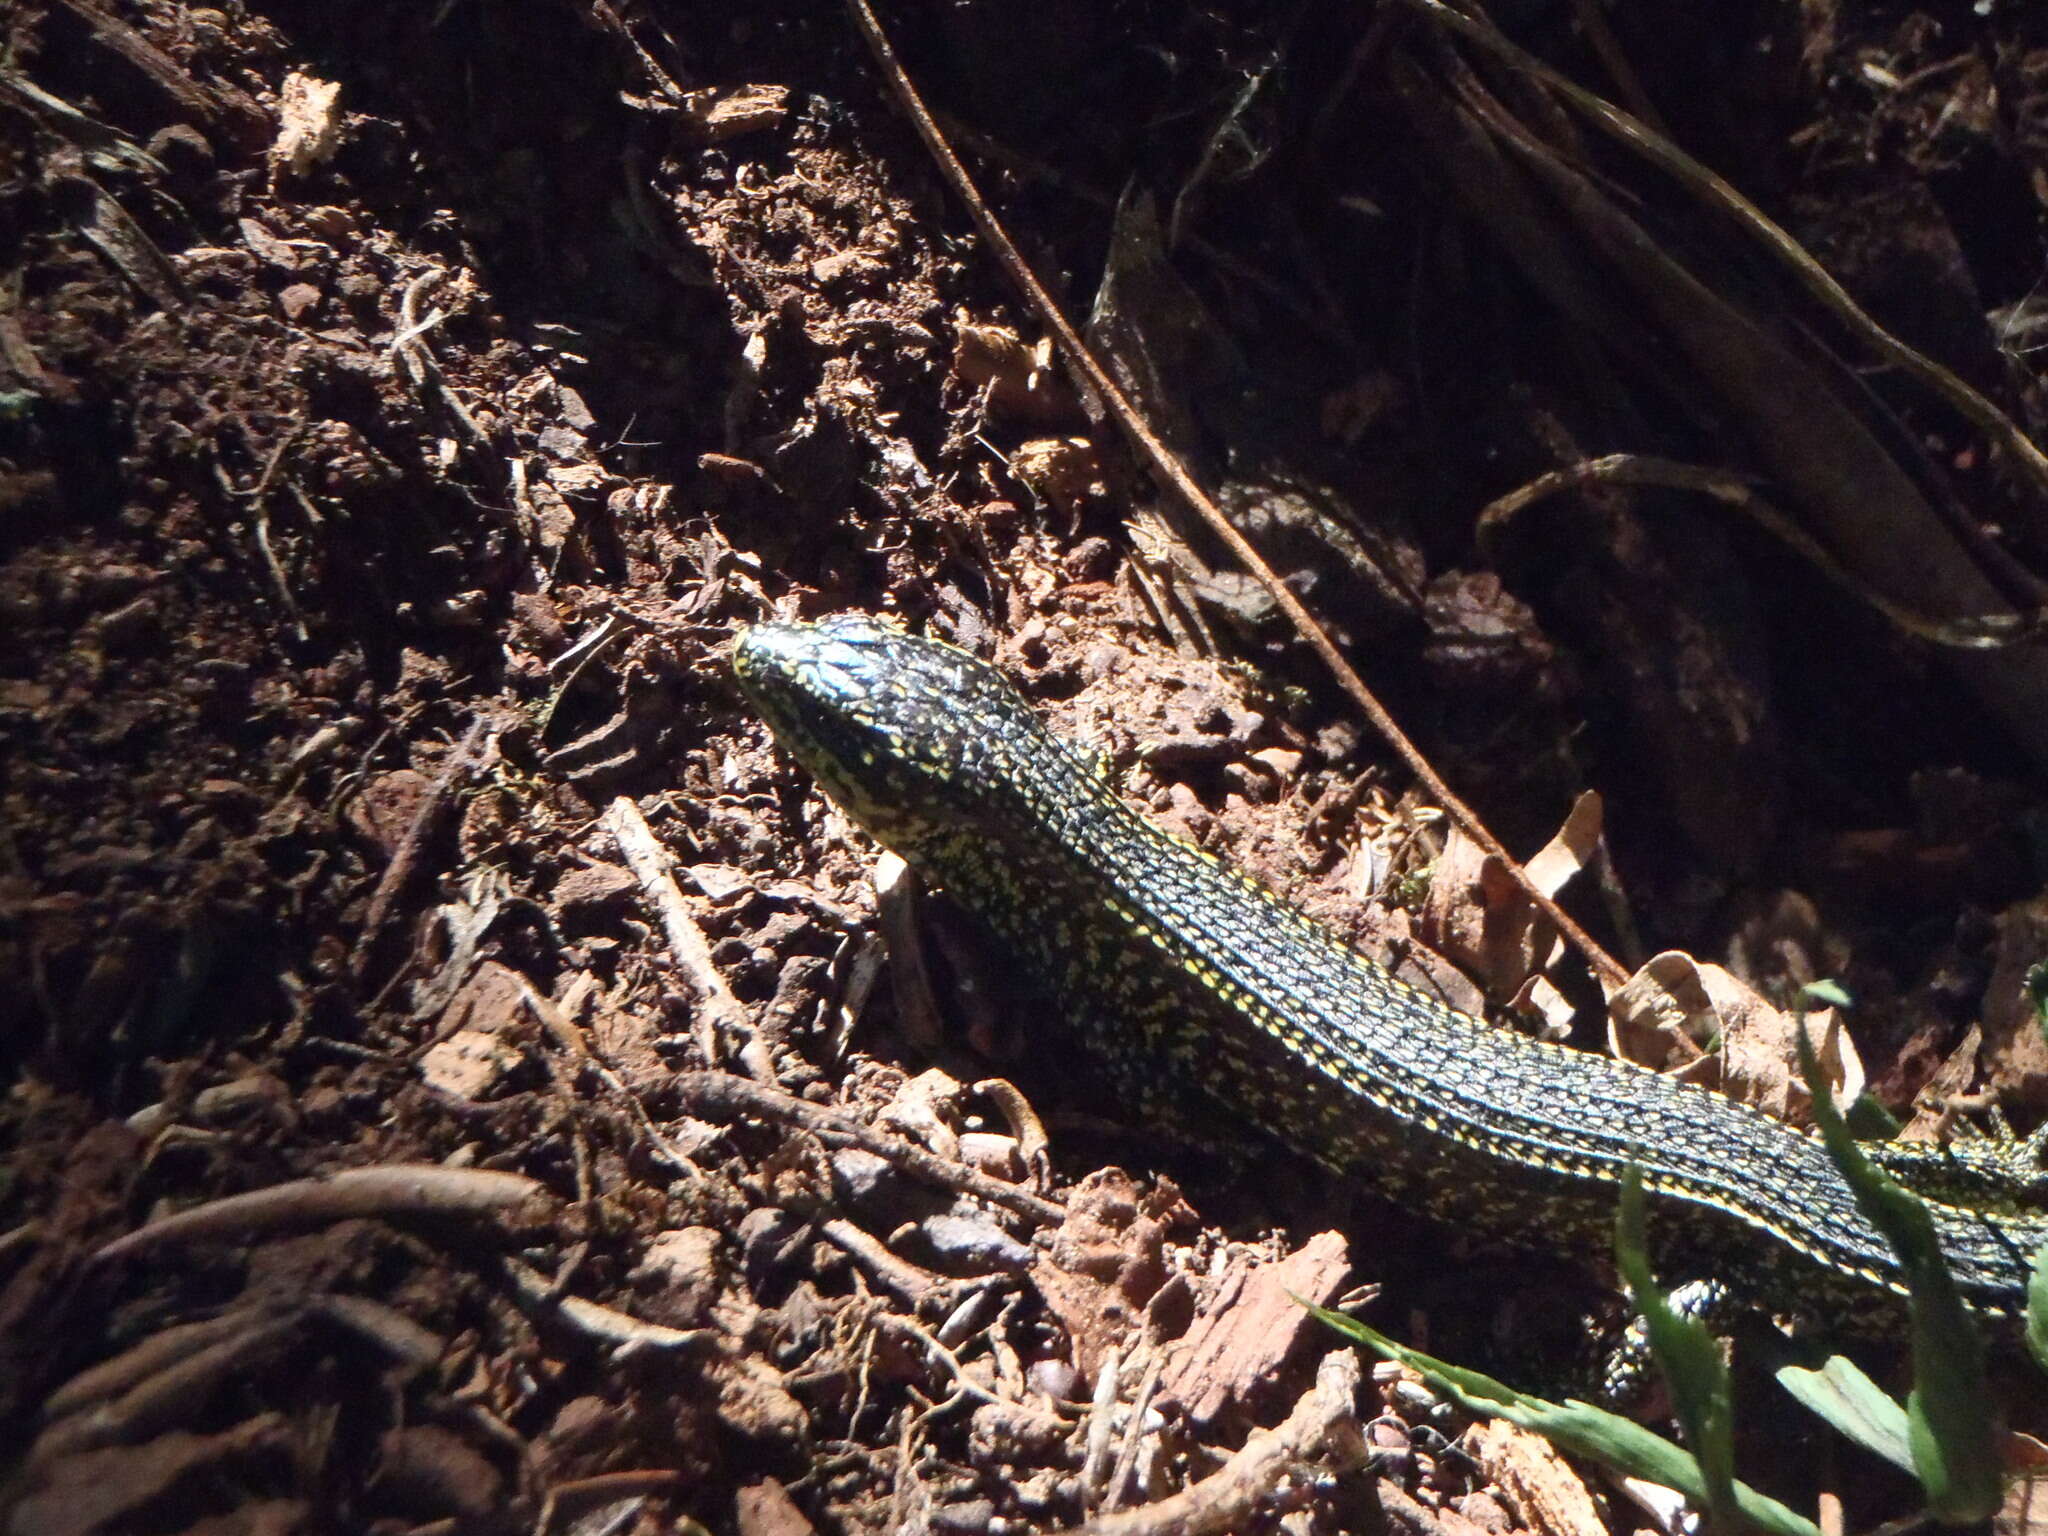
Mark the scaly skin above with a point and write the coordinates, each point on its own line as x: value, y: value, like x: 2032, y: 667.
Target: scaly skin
x: 1190, y: 982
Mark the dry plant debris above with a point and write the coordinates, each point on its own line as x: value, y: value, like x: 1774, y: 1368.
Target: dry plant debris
x: 454, y: 1080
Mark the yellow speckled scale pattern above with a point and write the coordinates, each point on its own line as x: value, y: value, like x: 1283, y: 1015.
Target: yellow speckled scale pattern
x: 1190, y: 981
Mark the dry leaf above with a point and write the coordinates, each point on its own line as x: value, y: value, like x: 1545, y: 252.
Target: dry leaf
x: 1022, y: 383
x: 1478, y: 916
x: 1674, y: 1009
x: 1551, y: 1009
x: 1571, y: 848
x: 1950, y: 1080
x: 1662, y: 1017
x: 1063, y: 472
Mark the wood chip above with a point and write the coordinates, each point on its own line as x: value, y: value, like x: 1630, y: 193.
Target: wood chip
x: 1551, y: 1498
x: 1251, y: 1325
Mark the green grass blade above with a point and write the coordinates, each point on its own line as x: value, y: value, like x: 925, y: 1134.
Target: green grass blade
x: 1955, y: 1452
x: 1840, y: 1393
x: 2037, y: 1310
x: 1576, y: 1427
x: 1688, y: 1357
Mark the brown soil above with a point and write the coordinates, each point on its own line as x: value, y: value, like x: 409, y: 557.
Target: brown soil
x: 401, y: 407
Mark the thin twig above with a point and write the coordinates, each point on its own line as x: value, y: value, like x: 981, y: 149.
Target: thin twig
x: 275, y: 567
x: 1095, y: 1462
x: 1174, y: 475
x: 725, y: 1097
x: 389, y: 1189
x: 407, y: 854
x: 963, y: 1384
x: 662, y: 80
x: 1134, y: 1432
x: 258, y: 497
x: 1034, y: 1147
x: 1322, y: 1428
x: 587, y: 1317
x: 1026, y: 168
x: 909, y: 1283
x: 558, y: 1019
x: 1593, y: 22
x: 719, y: 1011
x: 410, y: 350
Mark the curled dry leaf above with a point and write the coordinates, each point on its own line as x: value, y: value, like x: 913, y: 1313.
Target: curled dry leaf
x: 1932, y: 1115
x: 1761, y: 1056
x: 1675, y: 1012
x: 1662, y: 1017
x: 1478, y: 916
x: 1549, y: 1009
x: 1572, y: 847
